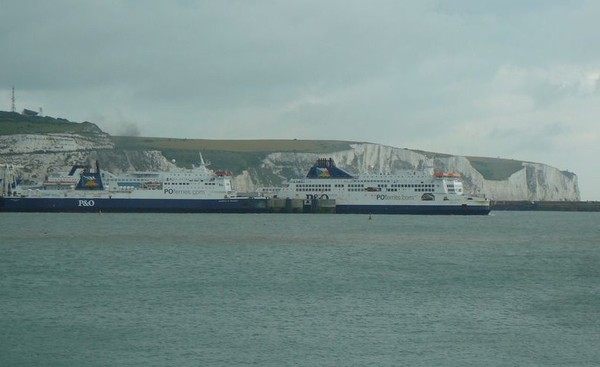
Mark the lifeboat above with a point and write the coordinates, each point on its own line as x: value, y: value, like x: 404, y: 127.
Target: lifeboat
x: 446, y: 174
x: 223, y: 172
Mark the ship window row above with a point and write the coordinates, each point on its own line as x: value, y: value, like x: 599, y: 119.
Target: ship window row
x: 313, y: 185
x: 175, y: 183
x: 189, y: 178
x: 414, y: 185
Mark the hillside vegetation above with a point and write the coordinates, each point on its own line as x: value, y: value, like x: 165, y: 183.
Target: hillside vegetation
x: 236, y: 155
x: 242, y: 146
x: 14, y: 123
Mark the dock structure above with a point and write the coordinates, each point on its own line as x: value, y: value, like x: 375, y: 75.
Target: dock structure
x: 288, y: 205
x: 570, y: 206
x: 328, y: 206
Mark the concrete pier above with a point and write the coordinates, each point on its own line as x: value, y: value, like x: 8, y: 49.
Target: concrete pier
x: 571, y: 206
x: 277, y: 205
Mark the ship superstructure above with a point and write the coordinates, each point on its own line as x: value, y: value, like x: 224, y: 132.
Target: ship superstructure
x: 405, y: 192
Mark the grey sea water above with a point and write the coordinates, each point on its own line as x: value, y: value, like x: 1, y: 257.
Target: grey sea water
x: 509, y: 289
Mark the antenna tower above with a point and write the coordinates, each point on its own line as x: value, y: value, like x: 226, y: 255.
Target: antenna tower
x: 13, y: 99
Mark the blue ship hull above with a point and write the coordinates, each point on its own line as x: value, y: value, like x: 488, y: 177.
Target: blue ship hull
x: 233, y: 205
x: 414, y: 209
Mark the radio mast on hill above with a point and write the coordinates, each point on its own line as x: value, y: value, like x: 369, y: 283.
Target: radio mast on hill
x: 13, y: 99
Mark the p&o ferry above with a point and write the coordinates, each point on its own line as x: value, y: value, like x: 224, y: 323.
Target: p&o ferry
x: 88, y: 189
x: 406, y: 192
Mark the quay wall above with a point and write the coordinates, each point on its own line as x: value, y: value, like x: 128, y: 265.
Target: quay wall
x: 574, y: 206
x: 277, y: 205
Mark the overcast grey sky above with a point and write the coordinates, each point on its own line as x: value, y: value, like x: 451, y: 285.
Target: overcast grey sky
x: 512, y: 78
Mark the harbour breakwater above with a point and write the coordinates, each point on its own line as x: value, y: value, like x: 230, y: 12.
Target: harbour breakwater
x: 572, y: 206
x: 320, y: 206
x: 327, y: 206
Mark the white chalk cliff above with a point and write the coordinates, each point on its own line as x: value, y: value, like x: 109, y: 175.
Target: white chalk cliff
x: 533, y: 181
x: 41, y: 154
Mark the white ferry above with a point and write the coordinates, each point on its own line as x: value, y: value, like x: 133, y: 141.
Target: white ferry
x: 88, y: 189
x: 407, y: 192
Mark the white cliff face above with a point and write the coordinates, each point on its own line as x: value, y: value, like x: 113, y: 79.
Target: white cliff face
x: 534, y: 181
x: 361, y: 159
x: 244, y: 182
x: 28, y: 143
x: 43, y: 154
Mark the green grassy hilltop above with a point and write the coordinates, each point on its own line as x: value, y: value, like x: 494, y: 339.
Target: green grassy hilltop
x: 14, y: 123
x: 233, y: 154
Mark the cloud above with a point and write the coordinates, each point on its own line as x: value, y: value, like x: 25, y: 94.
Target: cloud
x: 509, y: 78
